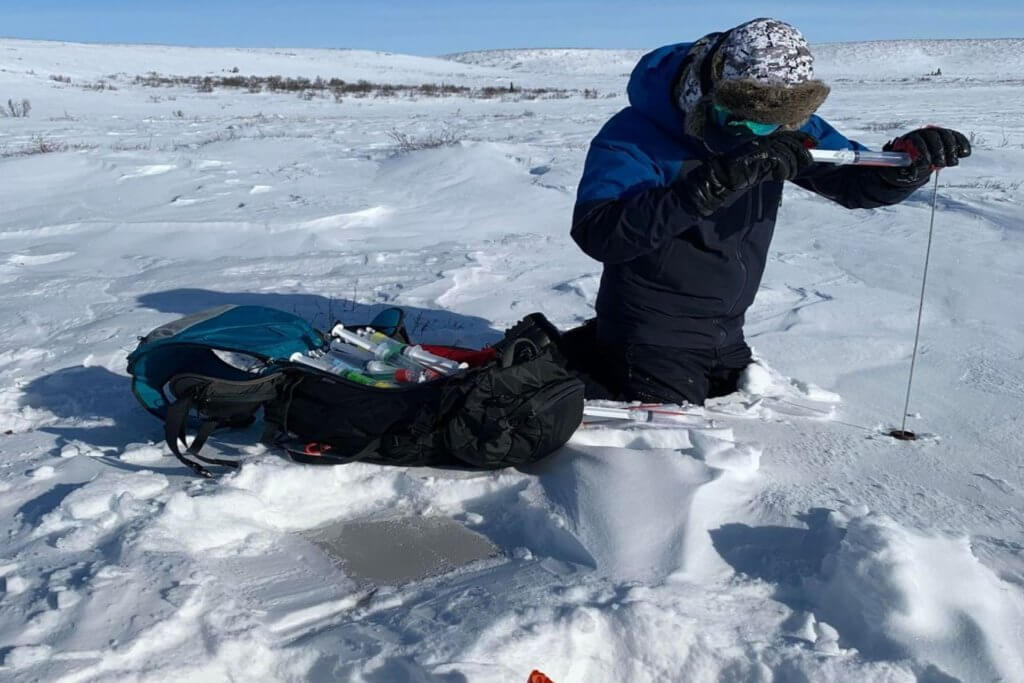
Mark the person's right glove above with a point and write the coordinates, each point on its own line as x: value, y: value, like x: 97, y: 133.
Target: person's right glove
x: 780, y: 156
x: 930, y: 149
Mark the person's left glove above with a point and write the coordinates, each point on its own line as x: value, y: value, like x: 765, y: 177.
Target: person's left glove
x: 780, y: 156
x: 930, y: 149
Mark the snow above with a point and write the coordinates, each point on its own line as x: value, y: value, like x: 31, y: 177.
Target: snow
x: 999, y: 60
x: 776, y: 535
x: 883, y: 589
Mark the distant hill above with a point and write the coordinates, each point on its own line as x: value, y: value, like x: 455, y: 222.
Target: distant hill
x: 982, y: 59
x: 557, y: 67
x: 553, y: 60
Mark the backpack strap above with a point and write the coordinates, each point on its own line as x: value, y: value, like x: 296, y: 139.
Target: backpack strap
x: 175, y: 431
x: 218, y: 403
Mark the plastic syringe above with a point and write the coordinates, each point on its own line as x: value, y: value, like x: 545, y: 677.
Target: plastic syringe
x: 389, y: 349
x: 337, y: 366
x: 384, y: 348
x: 860, y: 158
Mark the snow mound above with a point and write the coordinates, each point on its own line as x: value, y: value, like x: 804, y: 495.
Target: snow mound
x: 645, y: 514
x: 100, y: 508
x: 894, y: 593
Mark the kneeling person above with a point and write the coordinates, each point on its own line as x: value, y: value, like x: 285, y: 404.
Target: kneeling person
x: 679, y: 197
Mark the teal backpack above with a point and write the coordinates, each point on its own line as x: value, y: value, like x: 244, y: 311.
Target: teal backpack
x: 181, y: 358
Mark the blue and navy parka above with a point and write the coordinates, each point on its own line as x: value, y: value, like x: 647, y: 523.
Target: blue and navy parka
x: 672, y: 278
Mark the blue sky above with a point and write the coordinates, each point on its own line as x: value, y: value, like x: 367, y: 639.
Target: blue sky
x: 430, y: 27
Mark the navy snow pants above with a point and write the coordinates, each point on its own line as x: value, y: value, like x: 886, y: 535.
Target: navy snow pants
x: 652, y: 374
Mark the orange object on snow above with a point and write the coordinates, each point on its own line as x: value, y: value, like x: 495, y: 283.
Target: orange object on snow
x: 538, y: 677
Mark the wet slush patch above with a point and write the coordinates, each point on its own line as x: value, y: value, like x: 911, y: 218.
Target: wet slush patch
x: 393, y: 551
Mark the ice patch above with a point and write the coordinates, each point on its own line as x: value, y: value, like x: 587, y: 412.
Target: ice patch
x: 260, y: 189
x: 394, y: 551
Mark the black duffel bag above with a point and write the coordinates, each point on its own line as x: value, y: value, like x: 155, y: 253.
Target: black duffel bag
x: 516, y: 403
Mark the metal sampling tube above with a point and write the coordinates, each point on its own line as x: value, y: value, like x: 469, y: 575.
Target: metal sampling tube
x: 640, y: 414
x: 860, y: 158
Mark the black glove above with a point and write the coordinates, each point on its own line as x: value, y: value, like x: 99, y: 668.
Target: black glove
x: 781, y: 156
x: 930, y: 149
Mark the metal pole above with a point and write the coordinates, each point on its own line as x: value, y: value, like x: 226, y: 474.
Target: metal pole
x: 920, y: 310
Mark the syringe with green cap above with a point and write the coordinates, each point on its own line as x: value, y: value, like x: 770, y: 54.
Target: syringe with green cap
x: 381, y: 348
x: 393, y: 351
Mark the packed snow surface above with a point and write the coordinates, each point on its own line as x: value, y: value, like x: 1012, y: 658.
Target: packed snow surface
x: 778, y: 535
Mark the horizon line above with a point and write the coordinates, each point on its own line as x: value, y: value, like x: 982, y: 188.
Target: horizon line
x: 459, y: 52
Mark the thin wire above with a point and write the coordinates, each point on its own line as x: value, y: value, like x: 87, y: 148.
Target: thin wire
x: 920, y: 308
x: 826, y: 413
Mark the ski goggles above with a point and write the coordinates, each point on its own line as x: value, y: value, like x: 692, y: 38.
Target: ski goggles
x: 725, y: 118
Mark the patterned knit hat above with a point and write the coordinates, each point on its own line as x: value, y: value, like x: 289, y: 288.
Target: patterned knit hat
x: 761, y: 70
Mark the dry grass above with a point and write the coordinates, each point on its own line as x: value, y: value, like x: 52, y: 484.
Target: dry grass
x: 307, y: 88
x: 405, y: 143
x: 42, y: 145
x: 16, y: 109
